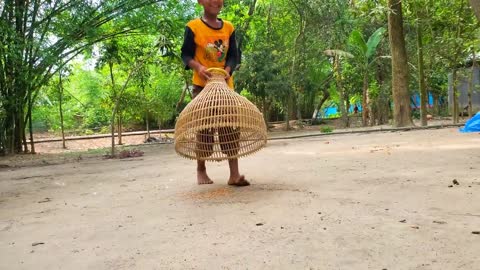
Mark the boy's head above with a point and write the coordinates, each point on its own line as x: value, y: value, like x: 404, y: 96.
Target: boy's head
x: 211, y: 7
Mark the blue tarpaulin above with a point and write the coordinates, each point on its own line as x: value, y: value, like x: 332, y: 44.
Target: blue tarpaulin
x: 472, y: 125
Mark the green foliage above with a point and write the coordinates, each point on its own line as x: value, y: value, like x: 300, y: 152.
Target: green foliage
x: 357, y: 41
x: 365, y: 51
x: 246, y: 94
x: 416, y: 114
x: 374, y: 89
x: 39, y: 38
x: 287, y: 48
x: 373, y: 42
x: 326, y: 129
x: 164, y: 94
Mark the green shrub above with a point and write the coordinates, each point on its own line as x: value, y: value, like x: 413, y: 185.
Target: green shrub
x: 326, y: 129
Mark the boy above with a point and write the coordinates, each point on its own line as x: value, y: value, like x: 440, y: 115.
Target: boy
x: 210, y: 42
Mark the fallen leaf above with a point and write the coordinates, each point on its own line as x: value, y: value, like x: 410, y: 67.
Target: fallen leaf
x: 439, y: 222
x: 45, y: 200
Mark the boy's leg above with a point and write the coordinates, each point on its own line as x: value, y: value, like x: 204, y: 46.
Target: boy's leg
x: 229, y: 138
x: 204, y: 147
x: 202, y: 176
x: 236, y: 179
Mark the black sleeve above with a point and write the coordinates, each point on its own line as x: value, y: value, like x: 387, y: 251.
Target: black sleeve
x: 188, y: 47
x: 233, y: 58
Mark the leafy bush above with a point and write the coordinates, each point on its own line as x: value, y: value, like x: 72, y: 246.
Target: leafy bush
x: 326, y: 129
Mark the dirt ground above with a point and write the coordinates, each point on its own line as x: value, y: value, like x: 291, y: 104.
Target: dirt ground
x: 357, y: 201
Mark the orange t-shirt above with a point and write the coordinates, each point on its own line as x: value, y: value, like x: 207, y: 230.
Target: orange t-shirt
x: 211, y: 46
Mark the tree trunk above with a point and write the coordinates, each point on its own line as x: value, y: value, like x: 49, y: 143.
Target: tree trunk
x: 114, y: 110
x: 456, y: 56
x: 147, y: 120
x: 30, y: 124
x: 2, y: 137
x: 401, y: 111
x: 476, y: 7
x: 112, y: 129
x: 9, y: 129
x: 147, y: 124
x: 298, y: 104
x: 20, y: 132
x: 60, y: 98
x: 373, y: 112
x: 436, y: 105
x: 347, y: 107
x: 287, y: 111
x: 325, y: 97
x: 297, y: 62
x: 30, y: 127
x: 472, y: 84
x: 341, y: 90
x: 160, y: 128
x: 119, y: 128
x: 365, y: 109
x: 382, y: 101
x: 24, y: 135
x: 265, y: 109
x: 383, y: 109
x: 455, y: 97
x: 421, y: 74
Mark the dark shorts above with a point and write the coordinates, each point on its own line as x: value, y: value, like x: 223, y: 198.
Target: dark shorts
x: 196, y: 90
x: 228, y: 137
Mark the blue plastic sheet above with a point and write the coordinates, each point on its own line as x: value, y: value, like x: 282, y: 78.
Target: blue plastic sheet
x: 472, y: 125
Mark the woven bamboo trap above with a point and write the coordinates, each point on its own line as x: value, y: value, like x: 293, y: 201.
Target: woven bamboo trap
x: 219, y: 124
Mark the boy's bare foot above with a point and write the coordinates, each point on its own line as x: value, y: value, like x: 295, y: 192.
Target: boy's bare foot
x: 203, y: 179
x: 239, y: 182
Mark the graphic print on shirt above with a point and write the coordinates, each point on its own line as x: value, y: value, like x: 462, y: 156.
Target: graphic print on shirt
x: 216, y: 50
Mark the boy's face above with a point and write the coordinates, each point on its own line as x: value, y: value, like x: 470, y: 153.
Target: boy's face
x: 211, y: 7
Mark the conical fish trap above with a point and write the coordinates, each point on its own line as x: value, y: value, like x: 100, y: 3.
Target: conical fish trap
x: 219, y: 124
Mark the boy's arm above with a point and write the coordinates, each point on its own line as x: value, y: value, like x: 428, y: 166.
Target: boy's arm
x: 188, y: 47
x: 232, y: 59
x: 188, y: 54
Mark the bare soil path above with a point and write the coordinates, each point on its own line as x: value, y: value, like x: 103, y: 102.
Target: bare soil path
x: 358, y: 201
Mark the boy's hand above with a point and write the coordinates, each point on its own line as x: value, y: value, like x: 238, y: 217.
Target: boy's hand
x: 203, y: 72
x: 227, y: 69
